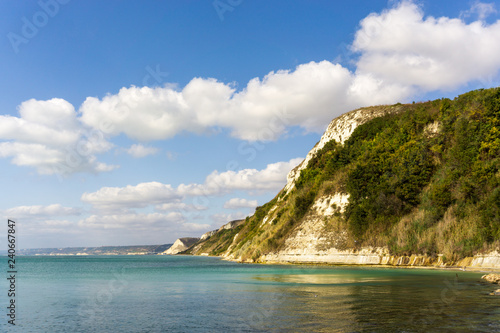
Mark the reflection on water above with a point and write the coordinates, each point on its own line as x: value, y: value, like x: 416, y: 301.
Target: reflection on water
x: 324, y: 279
x: 382, y: 301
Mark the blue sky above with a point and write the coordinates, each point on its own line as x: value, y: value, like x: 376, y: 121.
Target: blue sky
x: 138, y: 122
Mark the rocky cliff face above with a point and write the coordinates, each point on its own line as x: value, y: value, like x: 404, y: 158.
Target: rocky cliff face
x: 310, y: 220
x: 339, y: 129
x: 206, y: 245
x: 310, y: 238
x: 181, y: 244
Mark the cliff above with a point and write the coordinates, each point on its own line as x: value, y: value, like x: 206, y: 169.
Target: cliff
x: 339, y: 130
x: 213, y: 242
x: 414, y: 184
x: 181, y: 244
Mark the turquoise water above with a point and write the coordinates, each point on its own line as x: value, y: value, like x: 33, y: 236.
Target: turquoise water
x: 200, y: 294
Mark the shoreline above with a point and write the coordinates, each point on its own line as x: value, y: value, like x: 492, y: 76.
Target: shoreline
x: 315, y: 263
x: 441, y: 268
x: 332, y: 264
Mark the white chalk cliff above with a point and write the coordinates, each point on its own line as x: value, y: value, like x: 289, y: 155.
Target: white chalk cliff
x: 181, y: 244
x: 339, y: 129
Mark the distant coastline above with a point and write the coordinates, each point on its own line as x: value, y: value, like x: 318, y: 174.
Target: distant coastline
x: 101, y: 250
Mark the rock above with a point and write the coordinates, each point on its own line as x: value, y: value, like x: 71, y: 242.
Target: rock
x: 497, y: 292
x: 181, y: 244
x: 231, y: 225
x: 207, y: 235
x: 339, y: 129
x: 493, y: 278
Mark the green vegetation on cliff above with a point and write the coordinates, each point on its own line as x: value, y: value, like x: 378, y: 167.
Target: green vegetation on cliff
x: 423, y: 179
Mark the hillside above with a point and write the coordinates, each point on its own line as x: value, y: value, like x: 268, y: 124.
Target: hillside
x: 386, y: 183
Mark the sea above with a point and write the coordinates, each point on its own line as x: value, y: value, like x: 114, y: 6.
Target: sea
x: 207, y: 294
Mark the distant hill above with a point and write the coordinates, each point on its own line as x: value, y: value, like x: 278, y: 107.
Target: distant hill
x: 102, y: 250
x: 400, y: 184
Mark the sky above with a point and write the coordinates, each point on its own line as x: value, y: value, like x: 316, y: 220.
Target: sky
x: 139, y: 122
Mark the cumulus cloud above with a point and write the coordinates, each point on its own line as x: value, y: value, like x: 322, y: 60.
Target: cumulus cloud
x: 46, y: 224
x: 180, y: 206
x: 51, y: 122
x: 165, y: 197
x: 57, y: 223
x: 235, y: 203
x: 481, y: 9
x: 49, y: 137
x: 39, y: 211
x: 308, y: 97
x: 172, y: 156
x: 224, y: 218
x: 144, y: 226
x: 130, y: 220
x: 272, y: 178
x: 402, y: 47
x: 140, y: 151
x: 39, y: 220
x: 139, y: 196
x: 400, y: 52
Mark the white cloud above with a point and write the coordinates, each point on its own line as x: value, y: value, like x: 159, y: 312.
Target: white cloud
x: 225, y: 218
x: 240, y: 203
x: 131, y: 220
x: 139, y: 196
x: 144, y: 226
x: 40, y: 221
x: 161, y: 112
x: 40, y: 224
x: 481, y: 9
x: 39, y: 211
x: 401, y: 53
x: 58, y: 223
x: 49, y: 137
x: 139, y: 151
x: 272, y: 178
x: 172, y: 156
x: 309, y: 97
x: 35, y: 155
x: 47, y: 227
x: 180, y: 206
x: 115, y: 205
x: 39, y: 123
x: 401, y: 47
x: 165, y: 197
